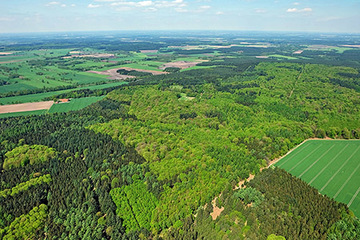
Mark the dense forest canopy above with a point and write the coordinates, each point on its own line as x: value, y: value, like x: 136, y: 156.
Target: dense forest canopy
x: 169, y: 156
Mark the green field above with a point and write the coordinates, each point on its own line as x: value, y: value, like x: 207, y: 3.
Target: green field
x: 331, y: 166
x: 74, y: 104
x: 40, y: 96
x: 282, y: 56
x: 28, y: 113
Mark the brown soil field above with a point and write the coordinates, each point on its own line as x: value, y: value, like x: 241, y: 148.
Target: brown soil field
x: 298, y: 52
x: 354, y: 46
x: 149, y: 51
x: 6, y: 53
x: 197, y: 47
x: 12, y: 61
x: 113, y: 75
x: 96, y: 55
x: 24, y: 107
x: 143, y: 70
x: 180, y: 64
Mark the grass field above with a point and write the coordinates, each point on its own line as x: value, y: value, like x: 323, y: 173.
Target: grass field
x: 28, y: 113
x: 74, y: 104
x: 40, y: 96
x: 331, y: 166
x: 283, y: 56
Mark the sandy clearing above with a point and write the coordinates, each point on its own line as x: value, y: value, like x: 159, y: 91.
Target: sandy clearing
x: 113, y: 74
x: 216, y: 210
x: 262, y: 57
x: 24, y: 107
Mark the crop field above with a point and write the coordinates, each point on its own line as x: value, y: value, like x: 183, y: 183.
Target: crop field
x: 40, y: 96
x: 74, y: 104
x: 331, y: 166
x: 28, y: 113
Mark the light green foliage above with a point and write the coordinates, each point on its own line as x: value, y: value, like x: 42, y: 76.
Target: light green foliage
x: 28, y: 154
x: 26, y: 185
x: 26, y: 225
x: 249, y: 195
x: 274, y: 237
x: 345, y: 229
x: 134, y: 204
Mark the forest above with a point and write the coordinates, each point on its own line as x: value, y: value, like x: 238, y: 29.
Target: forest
x: 183, y: 155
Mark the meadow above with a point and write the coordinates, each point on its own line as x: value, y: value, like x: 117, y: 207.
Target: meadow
x: 331, y: 166
x: 74, y: 104
x: 40, y: 96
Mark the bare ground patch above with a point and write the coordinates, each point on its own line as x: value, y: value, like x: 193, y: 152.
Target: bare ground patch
x: 149, y: 51
x: 216, y: 210
x: 24, y: 107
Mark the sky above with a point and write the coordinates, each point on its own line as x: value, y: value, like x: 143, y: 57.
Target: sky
x: 244, y: 15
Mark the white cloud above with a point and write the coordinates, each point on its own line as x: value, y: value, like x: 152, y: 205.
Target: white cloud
x: 105, y: 0
x: 52, y: 4
x: 93, y: 5
x: 73, y: 5
x: 219, y: 13
x: 134, y: 4
x: 296, y: 3
x: 63, y: 5
x: 148, y: 3
x: 293, y: 10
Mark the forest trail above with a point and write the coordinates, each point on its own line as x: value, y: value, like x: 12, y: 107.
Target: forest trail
x: 298, y: 78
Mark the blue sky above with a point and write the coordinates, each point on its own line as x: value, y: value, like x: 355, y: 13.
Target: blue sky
x: 259, y: 15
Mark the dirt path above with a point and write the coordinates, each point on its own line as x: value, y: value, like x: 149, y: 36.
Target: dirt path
x: 25, y: 107
x: 298, y: 78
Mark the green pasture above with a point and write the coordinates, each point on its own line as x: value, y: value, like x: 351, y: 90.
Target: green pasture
x: 28, y: 113
x: 331, y: 166
x: 40, y: 96
x: 282, y: 56
x: 74, y: 104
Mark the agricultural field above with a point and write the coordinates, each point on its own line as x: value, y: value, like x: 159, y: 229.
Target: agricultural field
x: 74, y: 104
x: 331, y: 166
x: 40, y: 96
